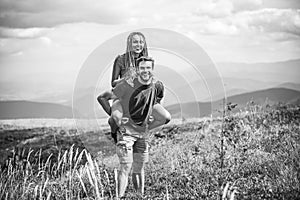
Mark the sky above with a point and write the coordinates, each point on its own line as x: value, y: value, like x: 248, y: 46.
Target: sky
x: 43, y: 44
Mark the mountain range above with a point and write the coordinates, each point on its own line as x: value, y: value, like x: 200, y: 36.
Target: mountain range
x: 238, y: 78
x: 201, y: 109
x: 237, y: 81
x: 27, y: 109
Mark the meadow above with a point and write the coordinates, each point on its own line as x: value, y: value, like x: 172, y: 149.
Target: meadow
x: 248, y: 153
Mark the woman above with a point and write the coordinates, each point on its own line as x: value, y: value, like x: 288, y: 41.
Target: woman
x: 125, y: 65
x: 125, y: 68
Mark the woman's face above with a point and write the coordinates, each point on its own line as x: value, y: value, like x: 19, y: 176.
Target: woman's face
x: 137, y: 44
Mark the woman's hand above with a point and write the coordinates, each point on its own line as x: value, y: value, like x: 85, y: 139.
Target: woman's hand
x: 117, y: 81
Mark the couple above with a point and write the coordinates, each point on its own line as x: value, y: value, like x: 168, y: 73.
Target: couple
x: 135, y: 109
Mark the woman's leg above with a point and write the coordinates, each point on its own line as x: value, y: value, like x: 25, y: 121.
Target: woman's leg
x: 161, y: 116
x: 113, y: 129
x: 117, y: 112
x: 116, y: 117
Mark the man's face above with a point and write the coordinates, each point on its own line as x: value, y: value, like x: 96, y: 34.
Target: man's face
x: 145, y: 70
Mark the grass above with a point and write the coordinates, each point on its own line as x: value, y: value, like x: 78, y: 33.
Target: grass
x: 250, y: 154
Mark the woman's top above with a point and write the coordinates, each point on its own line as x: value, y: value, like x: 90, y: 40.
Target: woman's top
x: 121, y: 70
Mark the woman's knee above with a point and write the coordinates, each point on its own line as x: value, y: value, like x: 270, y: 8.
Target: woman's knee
x: 160, y: 113
x: 117, y: 117
x: 117, y: 112
x: 167, y: 117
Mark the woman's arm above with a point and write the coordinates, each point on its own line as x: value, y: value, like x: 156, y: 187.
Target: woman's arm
x: 116, y: 72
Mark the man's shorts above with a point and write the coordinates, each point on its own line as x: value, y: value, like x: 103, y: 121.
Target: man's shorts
x: 132, y: 148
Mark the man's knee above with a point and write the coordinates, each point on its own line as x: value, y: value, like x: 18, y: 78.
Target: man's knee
x: 125, y: 168
x: 138, y: 167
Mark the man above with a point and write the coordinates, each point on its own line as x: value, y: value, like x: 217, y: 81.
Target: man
x: 139, y: 99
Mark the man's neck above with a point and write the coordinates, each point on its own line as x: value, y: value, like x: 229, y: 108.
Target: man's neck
x: 144, y: 82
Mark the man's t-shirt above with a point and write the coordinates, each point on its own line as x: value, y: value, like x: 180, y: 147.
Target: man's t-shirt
x: 135, y: 100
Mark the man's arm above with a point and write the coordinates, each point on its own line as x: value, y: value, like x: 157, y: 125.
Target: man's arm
x: 103, y: 100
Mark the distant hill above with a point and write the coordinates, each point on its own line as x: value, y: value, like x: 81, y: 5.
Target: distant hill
x: 28, y: 109
x: 283, y: 71
x: 288, y: 85
x: 233, y: 86
x: 201, y: 109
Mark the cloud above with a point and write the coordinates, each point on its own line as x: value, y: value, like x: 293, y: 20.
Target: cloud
x: 50, y: 13
x: 46, y: 40
x: 19, y: 53
x: 225, y: 8
x: 244, y: 5
x: 284, y: 23
x: 270, y: 20
x: 214, y: 9
x: 217, y: 27
x: 27, y: 33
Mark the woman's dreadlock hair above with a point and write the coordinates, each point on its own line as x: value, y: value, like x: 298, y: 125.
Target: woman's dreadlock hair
x: 129, y: 58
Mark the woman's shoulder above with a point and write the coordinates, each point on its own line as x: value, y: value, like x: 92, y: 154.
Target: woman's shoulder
x: 121, y: 56
x: 120, y: 60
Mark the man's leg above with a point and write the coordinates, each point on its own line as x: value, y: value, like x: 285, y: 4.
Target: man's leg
x: 125, y: 154
x: 123, y: 178
x: 140, y: 158
x: 138, y: 176
x: 161, y: 116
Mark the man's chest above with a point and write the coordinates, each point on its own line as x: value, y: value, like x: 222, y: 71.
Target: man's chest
x: 140, y: 94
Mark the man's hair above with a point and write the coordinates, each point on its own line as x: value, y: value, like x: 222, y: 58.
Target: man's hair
x: 143, y: 59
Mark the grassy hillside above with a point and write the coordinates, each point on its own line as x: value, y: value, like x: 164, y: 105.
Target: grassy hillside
x: 253, y: 154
